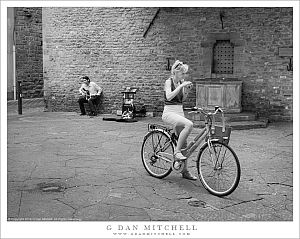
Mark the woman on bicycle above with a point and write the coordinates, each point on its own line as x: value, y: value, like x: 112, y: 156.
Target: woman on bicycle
x: 176, y: 90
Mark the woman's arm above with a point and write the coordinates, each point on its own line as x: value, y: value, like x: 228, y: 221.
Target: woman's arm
x: 171, y: 94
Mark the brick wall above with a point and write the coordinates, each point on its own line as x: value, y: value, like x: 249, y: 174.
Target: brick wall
x: 107, y: 44
x: 29, y: 52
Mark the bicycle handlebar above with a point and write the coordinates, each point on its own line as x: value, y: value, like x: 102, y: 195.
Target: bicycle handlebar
x: 198, y: 109
x: 209, y: 114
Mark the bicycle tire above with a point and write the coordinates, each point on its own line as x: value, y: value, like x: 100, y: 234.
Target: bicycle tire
x: 213, y: 178
x: 157, y: 153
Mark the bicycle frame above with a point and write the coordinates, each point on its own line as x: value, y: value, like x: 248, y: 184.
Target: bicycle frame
x: 193, y: 145
x: 196, y: 142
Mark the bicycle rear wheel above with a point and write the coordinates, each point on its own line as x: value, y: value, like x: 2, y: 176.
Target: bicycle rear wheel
x: 219, y: 175
x: 157, y: 154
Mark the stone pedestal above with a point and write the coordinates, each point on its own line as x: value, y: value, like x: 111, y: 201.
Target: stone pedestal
x: 225, y: 93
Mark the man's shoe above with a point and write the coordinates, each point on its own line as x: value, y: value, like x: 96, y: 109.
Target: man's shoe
x: 83, y: 114
x: 189, y: 176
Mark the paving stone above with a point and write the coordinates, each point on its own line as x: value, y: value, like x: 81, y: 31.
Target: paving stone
x: 52, y: 172
x: 46, y: 206
x: 96, y: 212
x: 13, y: 207
x: 167, y: 215
x: 119, y: 212
x: 254, y: 211
x: 215, y: 215
x: 86, y: 195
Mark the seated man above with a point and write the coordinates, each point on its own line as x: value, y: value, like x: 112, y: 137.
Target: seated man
x: 90, y: 93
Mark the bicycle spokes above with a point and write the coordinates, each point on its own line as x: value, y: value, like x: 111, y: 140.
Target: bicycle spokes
x: 218, y: 156
x: 160, y: 143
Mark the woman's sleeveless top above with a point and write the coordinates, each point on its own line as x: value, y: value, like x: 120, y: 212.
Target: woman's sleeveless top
x: 177, y: 100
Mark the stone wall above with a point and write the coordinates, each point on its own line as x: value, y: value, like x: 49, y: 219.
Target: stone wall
x: 29, y: 51
x: 111, y: 46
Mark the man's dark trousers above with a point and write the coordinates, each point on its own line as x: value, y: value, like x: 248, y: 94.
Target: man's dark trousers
x: 94, y: 100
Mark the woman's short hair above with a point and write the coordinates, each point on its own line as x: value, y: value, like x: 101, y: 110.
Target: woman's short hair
x: 179, y: 66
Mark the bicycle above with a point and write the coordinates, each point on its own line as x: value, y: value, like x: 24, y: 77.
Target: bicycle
x: 217, y: 164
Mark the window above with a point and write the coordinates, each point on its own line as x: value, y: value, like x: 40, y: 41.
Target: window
x: 223, y: 57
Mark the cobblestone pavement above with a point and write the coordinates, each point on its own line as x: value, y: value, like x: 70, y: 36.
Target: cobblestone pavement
x: 59, y: 169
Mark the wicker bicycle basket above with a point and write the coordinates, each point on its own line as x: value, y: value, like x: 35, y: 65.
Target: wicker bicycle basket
x: 218, y: 133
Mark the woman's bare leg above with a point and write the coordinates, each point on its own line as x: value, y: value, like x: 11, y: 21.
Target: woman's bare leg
x: 186, y: 127
x: 177, y: 131
x: 183, y: 131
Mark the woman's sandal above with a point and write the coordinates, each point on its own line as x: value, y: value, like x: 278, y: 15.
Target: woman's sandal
x: 188, y: 175
x: 179, y: 157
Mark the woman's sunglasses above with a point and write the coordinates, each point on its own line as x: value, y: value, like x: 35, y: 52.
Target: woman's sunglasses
x: 179, y: 64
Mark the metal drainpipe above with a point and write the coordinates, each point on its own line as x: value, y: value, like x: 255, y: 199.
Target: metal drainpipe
x: 14, y: 57
x: 14, y: 71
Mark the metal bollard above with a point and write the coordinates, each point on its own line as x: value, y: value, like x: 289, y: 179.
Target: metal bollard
x: 19, y: 97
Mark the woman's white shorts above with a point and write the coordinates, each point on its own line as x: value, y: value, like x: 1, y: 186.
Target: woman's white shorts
x: 174, y: 115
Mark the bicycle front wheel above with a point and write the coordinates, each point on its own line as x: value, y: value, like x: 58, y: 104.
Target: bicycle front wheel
x: 218, y: 168
x: 157, y: 154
